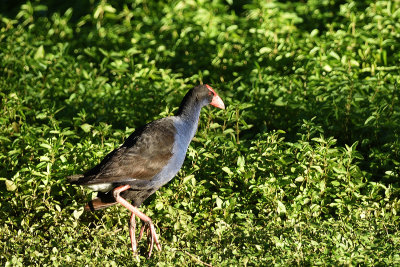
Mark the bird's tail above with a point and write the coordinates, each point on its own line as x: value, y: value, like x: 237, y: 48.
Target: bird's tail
x: 103, y: 200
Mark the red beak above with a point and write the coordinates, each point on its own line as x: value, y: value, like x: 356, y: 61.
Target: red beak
x: 216, y: 101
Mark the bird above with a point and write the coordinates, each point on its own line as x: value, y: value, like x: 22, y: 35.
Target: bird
x: 148, y: 159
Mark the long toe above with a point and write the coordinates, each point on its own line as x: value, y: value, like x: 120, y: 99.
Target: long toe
x: 151, y: 245
x: 154, y: 237
x: 141, y: 231
x: 151, y: 237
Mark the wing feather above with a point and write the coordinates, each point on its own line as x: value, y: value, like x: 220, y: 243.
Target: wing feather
x: 141, y: 157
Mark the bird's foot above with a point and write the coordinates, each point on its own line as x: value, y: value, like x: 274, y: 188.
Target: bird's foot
x: 151, y: 235
x: 147, y: 223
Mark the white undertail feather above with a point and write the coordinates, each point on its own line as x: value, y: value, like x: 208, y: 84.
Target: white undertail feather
x: 101, y: 187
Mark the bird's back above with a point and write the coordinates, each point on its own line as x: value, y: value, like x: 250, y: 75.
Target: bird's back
x: 139, y: 160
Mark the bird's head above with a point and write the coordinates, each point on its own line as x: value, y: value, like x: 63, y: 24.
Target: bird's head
x: 200, y: 96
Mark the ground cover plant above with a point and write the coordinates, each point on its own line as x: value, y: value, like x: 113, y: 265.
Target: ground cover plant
x: 302, y: 168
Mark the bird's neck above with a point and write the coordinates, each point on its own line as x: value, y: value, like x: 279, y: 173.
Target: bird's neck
x: 189, y: 110
x: 189, y: 114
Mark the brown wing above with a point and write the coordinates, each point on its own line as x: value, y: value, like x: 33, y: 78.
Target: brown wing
x: 143, y: 155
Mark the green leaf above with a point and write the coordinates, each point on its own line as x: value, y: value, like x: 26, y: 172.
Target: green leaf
x: 314, y: 33
x: 370, y: 118
x: 47, y: 146
x: 159, y: 206
x: 41, y: 116
x: 188, y: 178
x: 63, y: 159
x: 318, y: 168
x: 327, y: 68
x: 219, y: 202
x: 281, y: 207
x: 334, y: 55
x: 299, y: 179
x: 265, y: 50
x: 240, y: 163
x: 86, y: 127
x: 77, y: 213
x: 39, y: 53
x: 10, y: 185
x: 227, y: 170
x: 280, y: 102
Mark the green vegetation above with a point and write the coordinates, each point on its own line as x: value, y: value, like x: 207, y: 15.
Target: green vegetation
x: 302, y: 168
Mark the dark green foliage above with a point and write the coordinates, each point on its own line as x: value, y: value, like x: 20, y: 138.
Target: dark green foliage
x: 302, y: 168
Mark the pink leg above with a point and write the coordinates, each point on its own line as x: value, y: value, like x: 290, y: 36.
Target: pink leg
x: 132, y: 228
x: 140, y: 214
